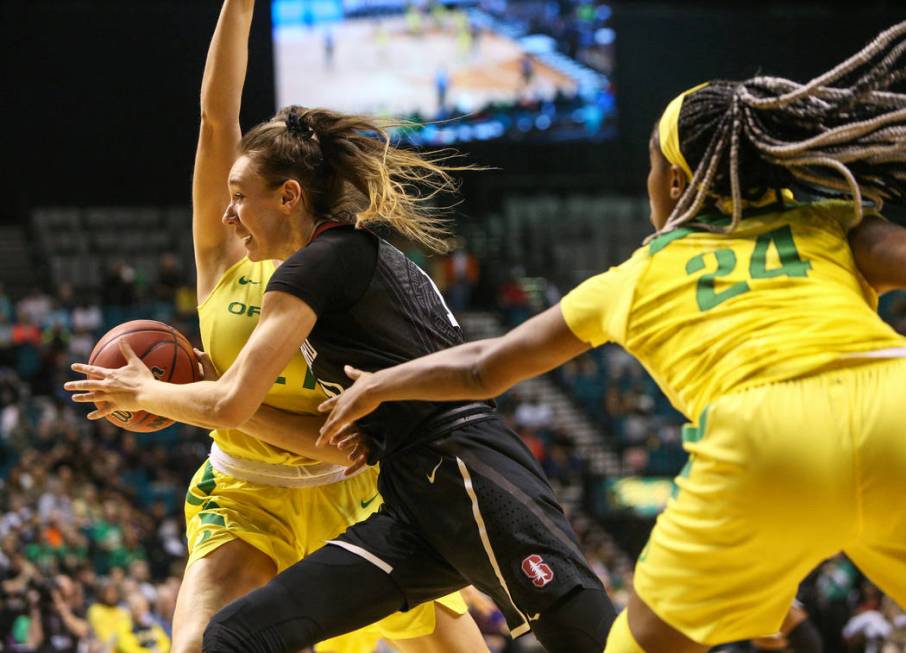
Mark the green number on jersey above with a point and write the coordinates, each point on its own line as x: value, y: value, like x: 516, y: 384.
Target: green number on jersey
x: 705, y: 295
x: 791, y: 265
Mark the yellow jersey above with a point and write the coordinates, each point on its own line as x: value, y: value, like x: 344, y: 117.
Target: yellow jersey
x: 709, y: 314
x: 227, y: 317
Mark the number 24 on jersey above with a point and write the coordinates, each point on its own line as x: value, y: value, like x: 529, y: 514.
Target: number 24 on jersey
x: 791, y: 265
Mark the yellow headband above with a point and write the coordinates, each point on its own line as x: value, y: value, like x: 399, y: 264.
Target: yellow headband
x: 668, y: 131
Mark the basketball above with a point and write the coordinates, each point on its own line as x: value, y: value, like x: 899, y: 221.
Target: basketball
x: 166, y: 352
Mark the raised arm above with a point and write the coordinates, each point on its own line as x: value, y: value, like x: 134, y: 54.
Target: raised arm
x: 216, y: 247
x: 475, y: 370
x: 879, y: 248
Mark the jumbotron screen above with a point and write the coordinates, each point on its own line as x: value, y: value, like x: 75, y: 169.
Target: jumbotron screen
x: 528, y: 70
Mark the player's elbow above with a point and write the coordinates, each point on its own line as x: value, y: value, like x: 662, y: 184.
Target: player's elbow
x: 482, y: 379
x: 230, y: 412
x: 210, y: 124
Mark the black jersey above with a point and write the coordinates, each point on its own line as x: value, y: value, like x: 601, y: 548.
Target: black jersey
x: 375, y: 309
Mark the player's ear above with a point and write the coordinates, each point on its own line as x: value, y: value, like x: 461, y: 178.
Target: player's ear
x: 678, y: 182
x: 291, y: 196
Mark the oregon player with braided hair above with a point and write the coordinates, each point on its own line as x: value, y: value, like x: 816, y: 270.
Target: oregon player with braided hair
x: 842, y: 131
x: 755, y: 313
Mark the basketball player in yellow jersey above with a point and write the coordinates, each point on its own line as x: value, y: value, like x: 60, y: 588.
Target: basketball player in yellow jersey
x: 262, y: 501
x: 755, y: 314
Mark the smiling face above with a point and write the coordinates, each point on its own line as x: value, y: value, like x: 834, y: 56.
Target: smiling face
x: 270, y: 221
x: 666, y: 184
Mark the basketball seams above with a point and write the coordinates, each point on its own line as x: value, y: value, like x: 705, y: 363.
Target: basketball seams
x: 138, y: 325
x: 147, y: 329
x: 115, y: 337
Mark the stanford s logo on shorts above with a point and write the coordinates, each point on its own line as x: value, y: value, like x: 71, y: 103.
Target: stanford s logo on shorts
x: 537, y: 570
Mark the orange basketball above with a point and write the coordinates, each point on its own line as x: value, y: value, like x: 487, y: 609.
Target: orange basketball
x: 166, y: 352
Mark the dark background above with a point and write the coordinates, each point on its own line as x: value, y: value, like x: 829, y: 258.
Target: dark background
x: 99, y: 98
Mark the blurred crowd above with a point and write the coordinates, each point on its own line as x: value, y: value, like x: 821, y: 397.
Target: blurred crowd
x: 91, y: 528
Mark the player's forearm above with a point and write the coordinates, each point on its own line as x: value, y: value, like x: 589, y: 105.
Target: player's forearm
x: 208, y: 403
x: 226, y: 64
x: 485, y: 368
x: 75, y: 625
x: 448, y: 375
x: 291, y: 432
x: 879, y: 248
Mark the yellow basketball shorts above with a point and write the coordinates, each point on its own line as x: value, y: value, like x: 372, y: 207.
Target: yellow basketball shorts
x: 781, y: 477
x: 288, y: 524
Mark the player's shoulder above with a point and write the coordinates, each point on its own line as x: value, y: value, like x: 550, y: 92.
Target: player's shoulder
x: 343, y: 240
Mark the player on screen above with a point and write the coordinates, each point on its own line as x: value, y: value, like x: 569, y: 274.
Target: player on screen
x: 465, y: 502
x: 266, y: 497
x: 749, y: 310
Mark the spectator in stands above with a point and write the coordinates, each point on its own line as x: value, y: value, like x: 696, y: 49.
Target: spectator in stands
x: 869, y: 627
x: 142, y: 632
x: 63, y: 620
x: 34, y: 307
x: 119, y: 287
x: 513, y: 300
x: 460, y: 275
x: 170, y: 278
x: 7, y: 352
x: 534, y: 413
x: 106, y: 617
x: 6, y: 306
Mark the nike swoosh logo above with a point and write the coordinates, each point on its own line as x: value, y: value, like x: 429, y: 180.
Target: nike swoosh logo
x: 244, y: 280
x: 534, y: 617
x: 365, y: 504
x: 433, y: 472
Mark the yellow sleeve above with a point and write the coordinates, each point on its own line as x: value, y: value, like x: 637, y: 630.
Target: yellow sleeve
x: 597, y: 310
x: 842, y: 213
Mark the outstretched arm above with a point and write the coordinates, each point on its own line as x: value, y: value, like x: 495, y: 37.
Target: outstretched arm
x: 879, y: 248
x: 475, y: 370
x: 216, y: 246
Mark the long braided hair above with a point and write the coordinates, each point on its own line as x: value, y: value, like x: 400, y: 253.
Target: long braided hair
x: 843, y: 132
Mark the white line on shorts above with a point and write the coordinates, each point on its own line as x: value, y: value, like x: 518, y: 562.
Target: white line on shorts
x: 486, y: 543
x: 368, y: 555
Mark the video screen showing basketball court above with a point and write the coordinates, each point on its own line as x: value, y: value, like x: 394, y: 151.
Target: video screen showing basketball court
x: 476, y: 65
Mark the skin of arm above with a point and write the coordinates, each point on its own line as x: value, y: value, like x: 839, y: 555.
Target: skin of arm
x: 288, y: 431
x: 474, y: 370
x: 292, y: 432
x: 230, y: 401
x: 216, y: 246
x: 35, y: 635
x: 76, y: 625
x: 879, y: 248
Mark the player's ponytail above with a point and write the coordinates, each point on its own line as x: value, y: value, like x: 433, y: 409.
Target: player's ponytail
x: 842, y: 132
x: 351, y: 172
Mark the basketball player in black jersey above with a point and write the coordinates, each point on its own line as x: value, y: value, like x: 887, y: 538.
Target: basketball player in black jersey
x: 464, y: 500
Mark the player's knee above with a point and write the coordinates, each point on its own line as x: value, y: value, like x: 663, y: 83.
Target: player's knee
x: 577, y: 624
x: 228, y: 632
x: 223, y: 636
x: 242, y: 628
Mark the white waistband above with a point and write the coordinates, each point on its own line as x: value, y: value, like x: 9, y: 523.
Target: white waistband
x: 255, y: 471
x: 893, y: 352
